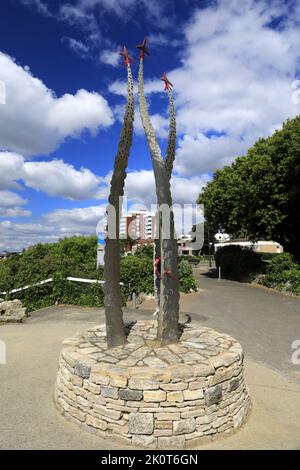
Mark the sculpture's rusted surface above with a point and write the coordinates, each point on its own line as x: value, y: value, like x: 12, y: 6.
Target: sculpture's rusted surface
x: 113, y: 300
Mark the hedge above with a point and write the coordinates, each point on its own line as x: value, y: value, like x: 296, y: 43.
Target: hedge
x: 282, y: 273
x: 238, y: 263
x: 67, y: 258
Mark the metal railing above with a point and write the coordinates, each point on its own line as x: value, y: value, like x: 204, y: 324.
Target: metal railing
x: 47, y: 281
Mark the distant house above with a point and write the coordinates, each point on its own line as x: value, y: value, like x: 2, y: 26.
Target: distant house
x: 183, y: 243
x: 7, y: 254
x: 261, y: 246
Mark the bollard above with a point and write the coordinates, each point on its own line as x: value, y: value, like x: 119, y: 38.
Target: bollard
x: 134, y: 300
x: 220, y: 277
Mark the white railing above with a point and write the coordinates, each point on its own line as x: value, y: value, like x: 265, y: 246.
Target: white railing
x: 27, y: 287
x: 47, y: 281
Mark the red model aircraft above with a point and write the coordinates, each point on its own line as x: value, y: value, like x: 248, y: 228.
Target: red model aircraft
x: 168, y: 84
x: 126, y: 56
x: 143, y: 49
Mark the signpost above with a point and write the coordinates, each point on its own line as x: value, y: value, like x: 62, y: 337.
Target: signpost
x: 100, y: 249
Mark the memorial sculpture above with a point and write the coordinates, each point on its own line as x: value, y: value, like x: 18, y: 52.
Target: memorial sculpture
x: 166, y: 244
x: 150, y: 383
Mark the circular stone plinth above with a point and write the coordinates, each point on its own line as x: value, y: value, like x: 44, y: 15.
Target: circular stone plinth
x: 150, y: 396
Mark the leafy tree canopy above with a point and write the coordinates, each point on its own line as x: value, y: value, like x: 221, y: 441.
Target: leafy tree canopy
x: 258, y: 196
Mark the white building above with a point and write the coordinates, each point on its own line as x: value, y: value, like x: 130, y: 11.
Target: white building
x: 261, y: 246
x: 184, y: 244
x: 138, y: 225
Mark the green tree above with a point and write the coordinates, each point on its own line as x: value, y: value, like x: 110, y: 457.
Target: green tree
x: 259, y: 194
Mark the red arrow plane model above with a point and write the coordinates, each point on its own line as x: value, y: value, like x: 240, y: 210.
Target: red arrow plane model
x: 126, y: 56
x: 168, y: 84
x: 143, y: 49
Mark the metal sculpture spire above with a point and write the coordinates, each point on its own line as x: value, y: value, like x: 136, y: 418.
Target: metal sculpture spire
x: 112, y: 258
x: 167, y: 244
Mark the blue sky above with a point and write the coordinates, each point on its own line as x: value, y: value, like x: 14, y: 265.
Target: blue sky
x: 234, y: 66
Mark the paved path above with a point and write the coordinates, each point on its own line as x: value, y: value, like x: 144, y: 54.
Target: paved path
x: 264, y: 321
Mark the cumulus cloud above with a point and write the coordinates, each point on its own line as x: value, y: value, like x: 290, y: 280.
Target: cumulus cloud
x: 11, y: 170
x: 235, y: 79
x: 109, y: 57
x: 43, y: 120
x: 140, y: 188
x: 62, y: 179
x: 52, y: 226
x: 81, y: 221
x: 17, y: 236
x: 10, y: 205
x: 201, y: 154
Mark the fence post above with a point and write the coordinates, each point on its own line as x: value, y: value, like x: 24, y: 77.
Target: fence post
x: 134, y: 300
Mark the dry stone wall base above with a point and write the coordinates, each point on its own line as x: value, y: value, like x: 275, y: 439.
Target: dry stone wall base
x: 175, y: 396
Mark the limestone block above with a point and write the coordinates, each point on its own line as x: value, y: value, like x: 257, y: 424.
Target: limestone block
x: 130, y: 395
x: 154, y: 395
x: 141, y: 423
x: 82, y: 370
x: 173, y: 442
x: 147, y: 442
x: 109, y: 392
x: 213, y: 395
x: 184, y: 426
x: 175, y: 396
x: 192, y: 394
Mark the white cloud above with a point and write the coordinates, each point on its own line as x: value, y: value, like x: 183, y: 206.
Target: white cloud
x: 77, y: 46
x: 160, y: 123
x: 51, y: 227
x: 11, y: 170
x: 235, y: 78
x: 10, y: 205
x: 71, y: 114
x: 84, y: 12
x: 110, y: 57
x: 140, y: 188
x: 10, y: 199
x: 119, y: 87
x: 34, y: 121
x: 62, y: 180
x: 55, y: 178
x: 140, y: 191
x: 81, y: 221
x: 16, y: 236
x: 201, y: 154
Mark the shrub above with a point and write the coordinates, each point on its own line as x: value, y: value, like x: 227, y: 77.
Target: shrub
x: 283, y: 274
x: 76, y: 257
x: 282, y: 262
x: 237, y: 262
x: 187, y: 281
x: 137, y: 275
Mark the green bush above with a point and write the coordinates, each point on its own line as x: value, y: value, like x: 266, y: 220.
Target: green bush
x: 282, y: 262
x: 237, y: 262
x: 268, y: 256
x: 137, y: 275
x: 76, y: 257
x: 187, y: 281
x: 283, y: 274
